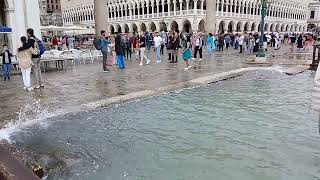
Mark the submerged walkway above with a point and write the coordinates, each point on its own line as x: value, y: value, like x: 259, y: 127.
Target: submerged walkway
x: 87, y: 83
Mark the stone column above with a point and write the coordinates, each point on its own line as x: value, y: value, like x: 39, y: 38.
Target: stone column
x: 195, y: 2
x: 174, y: 7
x: 152, y: 8
x: 180, y: 7
x: 227, y: 7
x: 142, y: 10
x: 169, y: 7
x: 138, y: 7
x: 31, y: 10
x: 100, y: 13
x: 148, y: 12
x: 202, y: 6
x: 121, y: 12
x: 211, y: 16
x: 162, y: 3
x: 187, y: 6
x: 157, y: 7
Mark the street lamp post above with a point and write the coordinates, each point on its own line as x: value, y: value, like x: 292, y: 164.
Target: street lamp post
x: 264, y: 7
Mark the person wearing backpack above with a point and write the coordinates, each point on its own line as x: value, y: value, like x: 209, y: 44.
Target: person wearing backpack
x: 36, y: 44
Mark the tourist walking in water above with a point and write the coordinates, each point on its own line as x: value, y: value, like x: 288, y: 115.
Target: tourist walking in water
x: 157, y: 45
x: 176, y: 46
x: 129, y: 46
x: 198, y: 43
x: 210, y: 43
x: 120, y: 48
x: 36, y: 68
x: 136, y: 47
x: 170, y: 48
x: 292, y: 42
x: 227, y: 40
x: 24, y: 55
x: 221, y: 42
x: 250, y: 44
x: 142, y: 49
x: 300, y: 42
x: 187, y: 54
x: 106, y: 64
x: 6, y: 63
x: 241, y: 41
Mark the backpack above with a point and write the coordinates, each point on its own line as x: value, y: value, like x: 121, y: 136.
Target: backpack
x: 41, y: 47
x: 97, y: 44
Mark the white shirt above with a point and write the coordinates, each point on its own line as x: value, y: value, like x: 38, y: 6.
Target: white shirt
x: 241, y: 39
x: 157, y: 41
x: 6, y: 57
x: 197, y: 42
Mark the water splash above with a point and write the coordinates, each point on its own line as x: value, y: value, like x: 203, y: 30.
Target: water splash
x: 28, y: 115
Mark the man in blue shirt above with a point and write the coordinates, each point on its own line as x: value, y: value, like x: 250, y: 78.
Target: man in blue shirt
x: 105, y: 46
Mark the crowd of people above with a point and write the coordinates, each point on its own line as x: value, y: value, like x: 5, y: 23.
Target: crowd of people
x: 65, y: 42
x: 116, y: 49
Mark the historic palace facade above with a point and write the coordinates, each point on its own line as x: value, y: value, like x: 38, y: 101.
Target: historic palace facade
x: 190, y: 15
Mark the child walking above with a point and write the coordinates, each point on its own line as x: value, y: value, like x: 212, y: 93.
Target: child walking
x: 187, y: 55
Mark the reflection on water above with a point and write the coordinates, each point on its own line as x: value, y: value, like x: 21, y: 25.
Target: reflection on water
x: 258, y: 126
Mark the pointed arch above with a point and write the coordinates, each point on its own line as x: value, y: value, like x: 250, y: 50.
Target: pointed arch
x: 239, y: 26
x: 152, y: 27
x: 112, y: 31
x: 202, y: 25
x: 143, y: 27
x: 186, y: 26
x: 126, y: 28
x: 221, y: 27
x: 231, y: 26
x: 174, y: 26
x: 134, y: 28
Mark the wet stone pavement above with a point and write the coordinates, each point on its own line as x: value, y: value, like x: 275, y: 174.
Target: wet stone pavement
x: 87, y: 83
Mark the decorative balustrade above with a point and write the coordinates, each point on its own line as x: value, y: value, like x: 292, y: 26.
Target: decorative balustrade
x: 192, y: 12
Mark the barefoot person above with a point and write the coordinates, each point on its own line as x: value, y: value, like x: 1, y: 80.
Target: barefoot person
x: 24, y: 55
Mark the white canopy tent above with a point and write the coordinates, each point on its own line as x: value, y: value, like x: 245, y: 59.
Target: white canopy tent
x: 81, y: 32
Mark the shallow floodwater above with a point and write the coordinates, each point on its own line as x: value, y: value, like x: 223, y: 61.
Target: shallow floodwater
x: 254, y: 127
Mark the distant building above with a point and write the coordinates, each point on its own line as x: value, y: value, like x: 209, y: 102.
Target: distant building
x: 16, y: 16
x: 50, y: 12
x: 314, y: 15
x: 76, y: 12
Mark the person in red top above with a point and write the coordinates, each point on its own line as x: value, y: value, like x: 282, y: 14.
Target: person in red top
x: 136, y: 47
x: 55, y: 42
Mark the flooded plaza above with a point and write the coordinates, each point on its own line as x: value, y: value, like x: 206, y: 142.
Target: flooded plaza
x: 259, y: 125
